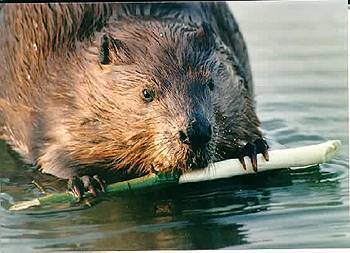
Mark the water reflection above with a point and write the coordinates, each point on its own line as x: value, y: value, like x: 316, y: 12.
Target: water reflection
x: 196, y: 216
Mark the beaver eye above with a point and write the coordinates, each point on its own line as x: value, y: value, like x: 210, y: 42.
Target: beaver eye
x: 147, y: 95
x: 211, y: 84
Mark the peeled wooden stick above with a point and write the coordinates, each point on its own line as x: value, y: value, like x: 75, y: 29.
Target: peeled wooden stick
x: 286, y: 158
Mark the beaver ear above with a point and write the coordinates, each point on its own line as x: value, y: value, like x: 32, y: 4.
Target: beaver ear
x: 114, y: 51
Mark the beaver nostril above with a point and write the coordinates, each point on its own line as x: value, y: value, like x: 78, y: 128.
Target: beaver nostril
x: 183, y: 137
x: 199, y: 133
x: 206, y: 133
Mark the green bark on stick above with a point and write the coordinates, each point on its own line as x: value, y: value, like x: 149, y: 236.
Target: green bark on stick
x: 149, y: 181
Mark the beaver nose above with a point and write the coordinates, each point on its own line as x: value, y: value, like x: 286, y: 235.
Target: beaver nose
x: 197, y: 134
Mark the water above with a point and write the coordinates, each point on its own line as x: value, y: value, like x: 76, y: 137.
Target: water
x: 298, y: 55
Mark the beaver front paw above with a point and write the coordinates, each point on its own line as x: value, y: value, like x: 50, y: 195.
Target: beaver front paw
x: 251, y: 150
x: 80, y: 185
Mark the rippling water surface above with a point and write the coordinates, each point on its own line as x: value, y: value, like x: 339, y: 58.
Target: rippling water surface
x: 298, y: 54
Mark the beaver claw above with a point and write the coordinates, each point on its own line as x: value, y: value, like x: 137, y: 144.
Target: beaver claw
x: 251, y: 150
x: 79, y: 185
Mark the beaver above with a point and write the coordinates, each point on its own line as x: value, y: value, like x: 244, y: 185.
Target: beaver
x: 93, y: 90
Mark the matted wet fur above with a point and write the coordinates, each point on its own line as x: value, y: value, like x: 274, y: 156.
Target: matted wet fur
x: 90, y: 88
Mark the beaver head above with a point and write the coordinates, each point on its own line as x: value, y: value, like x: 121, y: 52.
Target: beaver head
x: 145, y: 97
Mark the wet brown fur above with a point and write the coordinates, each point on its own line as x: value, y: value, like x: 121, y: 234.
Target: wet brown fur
x: 68, y: 114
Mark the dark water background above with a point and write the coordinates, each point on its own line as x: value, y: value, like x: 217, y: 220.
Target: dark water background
x: 298, y: 54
